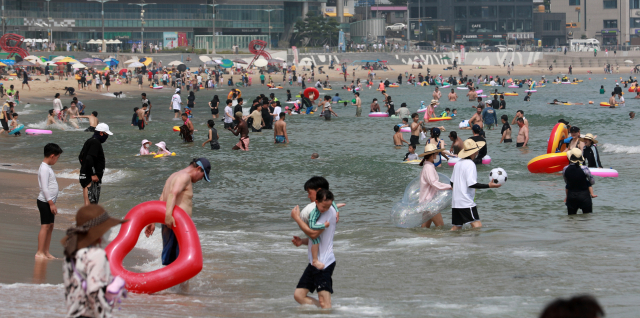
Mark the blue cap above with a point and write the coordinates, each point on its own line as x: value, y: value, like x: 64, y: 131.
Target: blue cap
x: 206, y: 167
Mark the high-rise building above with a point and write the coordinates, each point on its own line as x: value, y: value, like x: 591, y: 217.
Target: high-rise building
x: 605, y: 20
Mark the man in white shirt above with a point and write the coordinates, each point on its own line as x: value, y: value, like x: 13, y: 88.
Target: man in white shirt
x: 176, y: 104
x: 314, y: 279
x: 228, y: 115
x: 464, y: 183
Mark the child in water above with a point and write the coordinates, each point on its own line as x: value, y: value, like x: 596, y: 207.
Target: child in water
x: 144, y: 150
x: 397, y: 137
x: 601, y: 89
x: 213, y: 136
x: 163, y: 149
x: 411, y: 155
x: 14, y: 124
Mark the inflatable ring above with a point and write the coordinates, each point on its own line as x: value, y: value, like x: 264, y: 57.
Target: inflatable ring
x: 558, y: 133
x: 186, y: 266
x: 425, y: 84
x: 439, y: 118
x: 405, y: 129
x: 176, y: 128
x: 173, y: 154
x: 510, y: 94
x: 327, y: 89
x: 530, y: 90
x: 158, y: 87
x: 230, y: 95
x: 313, y: 90
x: 514, y: 86
x: 378, y: 114
x: 548, y: 163
x: 603, y: 172
x: 453, y: 160
x: 607, y: 104
x: 462, y: 87
x: 38, y: 132
x: 17, y: 129
x: 632, y: 89
x: 410, y: 212
x: 394, y: 85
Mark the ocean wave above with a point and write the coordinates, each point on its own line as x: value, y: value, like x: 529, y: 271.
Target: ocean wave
x: 111, y: 95
x: 620, y: 148
x: 110, y: 175
x: 43, y: 125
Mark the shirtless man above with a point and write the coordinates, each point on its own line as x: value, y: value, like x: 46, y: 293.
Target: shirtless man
x: 358, y: 105
x: 398, y: 139
x: 437, y: 94
x: 523, y: 134
x: 453, y: 96
x: 472, y: 95
x: 415, y: 129
x: 242, y: 130
x: 72, y: 114
x: 93, y: 121
x: 280, y: 131
x: 456, y: 143
x: 375, y: 108
x: 178, y: 191
x: 612, y: 99
x: 476, y: 119
x: 520, y: 114
x: 142, y: 119
x: 51, y: 118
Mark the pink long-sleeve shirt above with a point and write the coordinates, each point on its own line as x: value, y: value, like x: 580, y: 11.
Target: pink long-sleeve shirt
x: 429, y: 184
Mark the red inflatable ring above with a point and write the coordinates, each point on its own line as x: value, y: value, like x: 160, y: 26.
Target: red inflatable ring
x: 187, y: 265
x: 313, y: 90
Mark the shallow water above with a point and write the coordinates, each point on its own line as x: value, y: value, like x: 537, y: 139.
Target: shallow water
x: 528, y: 252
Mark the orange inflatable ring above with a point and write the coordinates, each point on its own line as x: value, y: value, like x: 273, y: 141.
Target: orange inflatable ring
x: 176, y: 128
x: 439, y: 118
x: 186, y: 266
x: 230, y: 95
x: 558, y: 133
x: 548, y: 163
x: 269, y: 85
x: 310, y: 90
x: 607, y: 104
x: 510, y: 94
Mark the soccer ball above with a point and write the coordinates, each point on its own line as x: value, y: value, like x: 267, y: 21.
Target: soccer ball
x: 498, y: 176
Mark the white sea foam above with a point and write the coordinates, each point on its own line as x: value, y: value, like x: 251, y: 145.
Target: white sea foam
x: 43, y: 125
x: 620, y: 148
x: 414, y: 241
x: 152, y: 244
x: 111, y: 95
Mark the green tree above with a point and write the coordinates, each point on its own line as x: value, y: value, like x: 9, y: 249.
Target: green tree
x: 315, y: 30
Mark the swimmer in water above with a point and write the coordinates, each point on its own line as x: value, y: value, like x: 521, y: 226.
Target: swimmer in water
x: 523, y: 134
x: 163, y: 149
x: 93, y: 121
x: 453, y: 96
x: 315, y: 155
x: 632, y: 115
x: 476, y: 119
x: 506, y: 129
x: 411, y: 155
x: 51, y: 118
x: 280, y: 130
x: 398, y: 139
x: 456, y: 143
x: 612, y: 99
x: 415, y: 130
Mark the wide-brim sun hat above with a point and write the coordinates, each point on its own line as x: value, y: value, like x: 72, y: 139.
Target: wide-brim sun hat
x: 144, y: 142
x: 92, y: 222
x: 575, y: 155
x: 162, y: 145
x: 430, y: 149
x: 589, y: 137
x: 434, y: 101
x: 470, y: 147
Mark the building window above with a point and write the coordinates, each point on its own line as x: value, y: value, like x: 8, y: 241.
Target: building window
x: 399, y: 14
x: 574, y: 2
x: 461, y: 12
x: 634, y: 4
x: 506, y: 26
x: 610, y: 4
x: 482, y: 12
x: 551, y: 25
x: 523, y: 12
x: 373, y: 14
x: 460, y: 27
x: 508, y: 12
x: 482, y: 27
x: 610, y: 24
x: 634, y: 23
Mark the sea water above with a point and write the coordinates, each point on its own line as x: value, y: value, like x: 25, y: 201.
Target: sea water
x: 528, y: 252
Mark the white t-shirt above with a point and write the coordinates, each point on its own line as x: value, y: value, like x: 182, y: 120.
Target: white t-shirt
x: 48, y: 184
x: 464, y: 175
x: 228, y: 110
x: 175, y: 100
x: 57, y: 105
x: 325, y: 250
x: 277, y: 110
x: 621, y: 102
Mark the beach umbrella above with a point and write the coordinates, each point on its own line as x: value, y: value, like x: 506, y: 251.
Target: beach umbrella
x: 418, y: 60
x: 204, y: 58
x: 210, y: 63
x: 58, y: 58
x: 275, y: 61
x: 131, y: 61
x: 182, y: 67
x: 136, y: 64
x: 87, y: 60
x: 239, y: 61
x: 69, y: 60
x: 78, y: 65
x: 97, y: 63
x: 43, y: 59
x: 31, y: 57
x: 2, y: 64
x: 123, y: 71
x: 260, y: 62
x: 175, y: 63
x: 24, y: 63
x: 111, y: 62
x: 226, y: 63
x: 629, y: 61
x: 146, y: 61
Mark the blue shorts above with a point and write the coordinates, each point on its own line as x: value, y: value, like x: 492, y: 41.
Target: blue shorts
x: 280, y: 139
x: 170, y: 248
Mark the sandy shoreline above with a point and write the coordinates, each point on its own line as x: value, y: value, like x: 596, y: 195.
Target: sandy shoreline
x: 40, y: 89
x: 19, y: 232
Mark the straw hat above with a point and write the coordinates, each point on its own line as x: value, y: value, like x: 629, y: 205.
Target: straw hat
x: 470, y: 147
x: 589, y: 137
x: 92, y: 221
x: 434, y: 101
x: 430, y: 149
x: 575, y: 155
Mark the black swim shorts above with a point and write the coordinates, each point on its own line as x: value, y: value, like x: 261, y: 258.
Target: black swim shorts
x: 46, y: 216
x: 228, y: 125
x: 176, y: 110
x: 460, y: 217
x: 141, y: 124
x: 90, y: 129
x: 5, y: 125
x: 519, y: 144
x: 508, y: 140
x: 314, y: 279
x: 579, y: 200
x: 415, y: 140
